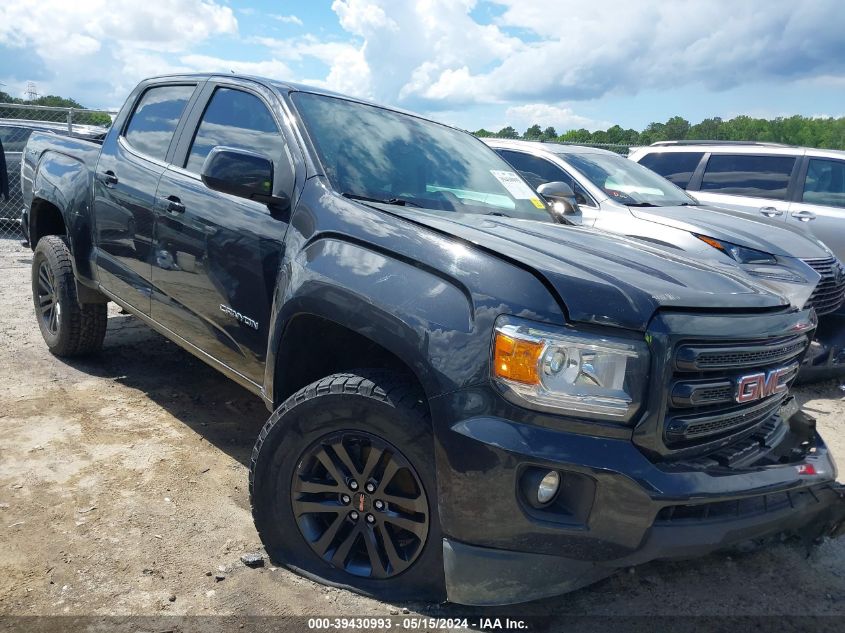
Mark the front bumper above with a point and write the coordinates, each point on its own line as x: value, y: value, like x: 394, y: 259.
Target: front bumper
x: 625, y: 510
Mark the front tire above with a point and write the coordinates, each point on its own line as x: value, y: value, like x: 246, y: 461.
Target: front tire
x: 68, y: 327
x: 342, y: 487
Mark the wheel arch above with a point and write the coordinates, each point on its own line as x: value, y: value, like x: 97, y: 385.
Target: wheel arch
x: 312, y: 346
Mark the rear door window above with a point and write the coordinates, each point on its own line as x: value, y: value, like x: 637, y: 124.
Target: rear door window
x: 748, y: 175
x: 156, y: 116
x: 678, y: 167
x: 825, y: 183
x: 538, y: 171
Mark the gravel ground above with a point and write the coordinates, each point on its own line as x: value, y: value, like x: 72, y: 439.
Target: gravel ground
x: 123, y: 491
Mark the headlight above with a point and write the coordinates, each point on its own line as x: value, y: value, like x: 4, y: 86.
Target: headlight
x: 738, y: 253
x: 565, y: 371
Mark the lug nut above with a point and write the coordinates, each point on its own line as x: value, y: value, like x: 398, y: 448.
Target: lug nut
x: 371, y: 518
x: 370, y: 488
x: 353, y: 485
x: 353, y: 515
x: 379, y: 504
x: 345, y: 499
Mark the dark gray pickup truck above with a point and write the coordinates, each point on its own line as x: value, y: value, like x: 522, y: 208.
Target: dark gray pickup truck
x: 471, y: 399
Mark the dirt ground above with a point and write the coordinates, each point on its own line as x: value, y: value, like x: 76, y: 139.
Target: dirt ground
x: 123, y: 490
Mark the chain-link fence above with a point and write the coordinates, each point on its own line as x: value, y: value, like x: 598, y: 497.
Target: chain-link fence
x: 17, y: 122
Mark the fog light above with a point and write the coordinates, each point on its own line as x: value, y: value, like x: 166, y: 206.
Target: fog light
x: 547, y: 489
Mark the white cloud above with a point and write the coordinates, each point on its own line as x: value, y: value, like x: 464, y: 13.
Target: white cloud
x: 432, y: 52
x: 348, y: 72
x: 112, y: 42
x: 546, y: 115
x: 288, y: 19
x: 272, y: 68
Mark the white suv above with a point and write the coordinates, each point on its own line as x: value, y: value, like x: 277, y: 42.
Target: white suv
x: 801, y: 186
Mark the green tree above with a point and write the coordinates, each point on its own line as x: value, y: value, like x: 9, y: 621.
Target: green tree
x: 533, y: 132
x: 508, y: 132
x: 550, y: 133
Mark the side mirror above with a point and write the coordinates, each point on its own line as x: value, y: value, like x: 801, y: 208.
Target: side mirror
x: 562, y: 199
x: 241, y: 173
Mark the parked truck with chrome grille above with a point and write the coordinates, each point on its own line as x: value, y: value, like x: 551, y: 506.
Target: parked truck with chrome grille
x: 471, y: 399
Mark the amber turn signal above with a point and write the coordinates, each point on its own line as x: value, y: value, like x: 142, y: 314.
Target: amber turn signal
x: 518, y: 360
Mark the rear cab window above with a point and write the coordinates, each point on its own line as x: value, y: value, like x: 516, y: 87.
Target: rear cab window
x: 754, y: 176
x: 676, y: 167
x: 14, y: 138
x: 156, y: 116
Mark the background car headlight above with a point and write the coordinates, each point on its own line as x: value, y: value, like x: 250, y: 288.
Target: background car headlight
x: 562, y: 370
x: 738, y: 253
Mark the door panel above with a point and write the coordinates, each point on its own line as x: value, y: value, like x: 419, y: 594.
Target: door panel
x: 216, y: 255
x: 771, y: 208
x: 821, y: 210
x: 756, y: 184
x: 125, y: 183
x: 214, y: 270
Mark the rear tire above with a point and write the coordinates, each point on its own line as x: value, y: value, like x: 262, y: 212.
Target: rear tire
x: 342, y: 465
x: 68, y: 327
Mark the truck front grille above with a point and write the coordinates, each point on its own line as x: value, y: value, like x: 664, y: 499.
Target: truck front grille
x: 830, y: 292
x: 702, y: 404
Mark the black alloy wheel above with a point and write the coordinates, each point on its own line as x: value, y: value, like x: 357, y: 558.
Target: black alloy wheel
x: 360, y: 504
x: 47, y: 300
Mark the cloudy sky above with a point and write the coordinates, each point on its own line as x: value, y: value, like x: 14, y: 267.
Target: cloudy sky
x: 472, y: 63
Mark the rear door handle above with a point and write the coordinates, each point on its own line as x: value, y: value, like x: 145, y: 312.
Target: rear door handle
x: 804, y: 216
x: 173, y: 205
x: 770, y: 212
x: 107, y: 178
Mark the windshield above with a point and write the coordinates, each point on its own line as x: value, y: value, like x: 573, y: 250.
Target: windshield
x: 381, y: 155
x: 628, y: 182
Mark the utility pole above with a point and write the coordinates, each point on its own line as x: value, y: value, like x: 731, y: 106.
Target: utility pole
x: 30, y: 92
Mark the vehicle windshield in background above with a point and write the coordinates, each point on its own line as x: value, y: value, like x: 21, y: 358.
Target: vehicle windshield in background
x: 377, y: 154
x: 628, y: 182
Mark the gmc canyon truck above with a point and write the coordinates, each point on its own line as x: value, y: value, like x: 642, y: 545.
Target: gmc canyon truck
x: 471, y: 399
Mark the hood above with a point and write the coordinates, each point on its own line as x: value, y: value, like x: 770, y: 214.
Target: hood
x: 761, y: 233
x: 602, y: 278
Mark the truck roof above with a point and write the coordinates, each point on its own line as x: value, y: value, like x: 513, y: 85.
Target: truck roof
x: 290, y: 86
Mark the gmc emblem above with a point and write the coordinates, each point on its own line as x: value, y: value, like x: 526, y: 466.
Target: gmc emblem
x: 757, y: 386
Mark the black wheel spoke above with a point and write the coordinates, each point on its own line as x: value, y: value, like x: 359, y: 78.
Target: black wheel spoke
x: 343, y: 550
x: 345, y: 459
x: 317, y: 507
x: 364, y: 531
x: 415, y: 504
x: 396, y: 561
x: 372, y: 461
x: 389, y: 473
x: 377, y: 568
x: 324, y: 543
x: 317, y: 487
x: 329, y: 465
x: 416, y: 528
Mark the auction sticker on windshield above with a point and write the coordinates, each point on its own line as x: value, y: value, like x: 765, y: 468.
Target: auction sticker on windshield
x: 513, y: 184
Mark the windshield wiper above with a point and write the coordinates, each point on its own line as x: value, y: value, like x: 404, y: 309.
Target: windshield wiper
x: 642, y: 204
x: 402, y: 202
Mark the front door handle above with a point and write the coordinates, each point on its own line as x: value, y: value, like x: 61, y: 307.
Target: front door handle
x: 804, y: 216
x: 173, y: 205
x: 108, y: 178
x: 770, y: 212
